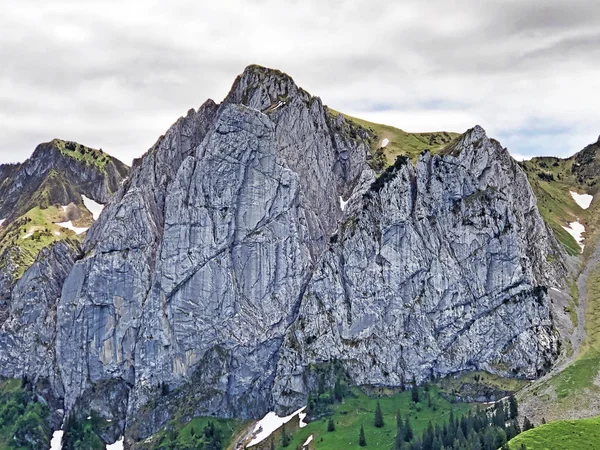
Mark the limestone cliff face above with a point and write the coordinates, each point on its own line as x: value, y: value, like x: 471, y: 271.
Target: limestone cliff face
x: 35, y: 257
x: 225, y: 265
x: 28, y: 335
x: 440, y: 270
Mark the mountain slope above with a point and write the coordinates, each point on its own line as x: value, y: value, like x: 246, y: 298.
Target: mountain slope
x: 255, y: 241
x: 553, y: 179
x: 53, y: 186
x: 44, y: 205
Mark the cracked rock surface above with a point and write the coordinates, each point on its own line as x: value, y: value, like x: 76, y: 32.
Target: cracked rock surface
x: 224, y: 266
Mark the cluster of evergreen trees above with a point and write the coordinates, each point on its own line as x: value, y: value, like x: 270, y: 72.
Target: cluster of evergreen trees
x: 23, y: 423
x: 80, y: 435
x: 210, y: 438
x: 486, y: 429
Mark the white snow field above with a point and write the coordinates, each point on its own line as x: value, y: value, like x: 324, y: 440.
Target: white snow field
x: 70, y: 226
x: 576, y: 230
x: 583, y: 200
x: 271, y: 422
x: 56, y: 441
x: 92, y: 206
x: 116, y: 446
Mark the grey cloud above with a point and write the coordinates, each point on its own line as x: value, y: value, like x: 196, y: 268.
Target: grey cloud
x: 115, y: 75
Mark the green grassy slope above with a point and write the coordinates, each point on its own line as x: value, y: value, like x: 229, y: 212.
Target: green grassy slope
x: 581, y: 434
x: 551, y: 180
x: 79, y: 152
x: 360, y: 409
x: 400, y: 141
x: 25, y: 237
x: 194, y: 434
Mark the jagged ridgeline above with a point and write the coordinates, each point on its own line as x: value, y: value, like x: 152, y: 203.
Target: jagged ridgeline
x: 266, y: 235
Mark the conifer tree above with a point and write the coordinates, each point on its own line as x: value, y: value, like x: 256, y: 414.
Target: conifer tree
x: 408, y: 432
x: 362, y: 440
x: 415, y: 391
x: 378, y: 420
x: 330, y: 425
x: 398, y: 419
x: 285, y: 437
x: 513, y: 406
x: 527, y: 425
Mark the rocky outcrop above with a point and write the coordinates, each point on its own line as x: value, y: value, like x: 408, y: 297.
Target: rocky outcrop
x: 33, y: 267
x: 440, y: 269
x: 28, y: 335
x: 225, y: 265
x: 57, y: 174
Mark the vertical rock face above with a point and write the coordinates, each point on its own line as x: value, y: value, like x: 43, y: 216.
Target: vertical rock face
x: 199, y: 271
x: 225, y: 265
x: 33, y: 266
x: 28, y: 335
x: 438, y: 270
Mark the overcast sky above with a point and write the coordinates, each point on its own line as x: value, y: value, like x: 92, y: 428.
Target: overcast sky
x: 117, y: 74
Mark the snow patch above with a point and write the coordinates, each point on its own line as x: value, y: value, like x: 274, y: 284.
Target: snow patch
x: 116, y: 446
x: 576, y: 230
x: 72, y: 227
x: 2, y: 221
x: 57, y: 233
x: 94, y: 207
x: 302, y: 416
x: 343, y: 203
x: 268, y: 424
x: 56, y: 441
x: 555, y: 289
x: 308, y: 441
x: 385, y: 142
x: 583, y: 200
x: 28, y: 234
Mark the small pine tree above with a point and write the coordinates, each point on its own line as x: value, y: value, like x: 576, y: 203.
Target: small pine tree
x: 330, y: 425
x: 362, y: 440
x: 408, y: 432
x: 543, y: 421
x: 523, y: 447
x: 513, y: 406
x: 285, y: 437
x: 415, y: 391
x: 399, y: 422
x: 338, y: 391
x: 527, y: 425
x: 378, y: 420
x: 272, y: 444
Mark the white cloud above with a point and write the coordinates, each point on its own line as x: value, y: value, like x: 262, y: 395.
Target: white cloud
x: 116, y: 75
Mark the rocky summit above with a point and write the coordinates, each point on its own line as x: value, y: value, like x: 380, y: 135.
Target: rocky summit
x: 256, y: 242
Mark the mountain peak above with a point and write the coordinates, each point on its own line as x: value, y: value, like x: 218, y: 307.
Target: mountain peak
x: 260, y: 87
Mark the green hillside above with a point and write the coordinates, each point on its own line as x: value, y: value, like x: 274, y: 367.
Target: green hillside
x: 401, y: 143
x: 581, y: 434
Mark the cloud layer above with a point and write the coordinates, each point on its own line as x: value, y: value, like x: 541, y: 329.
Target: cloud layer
x: 116, y: 74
